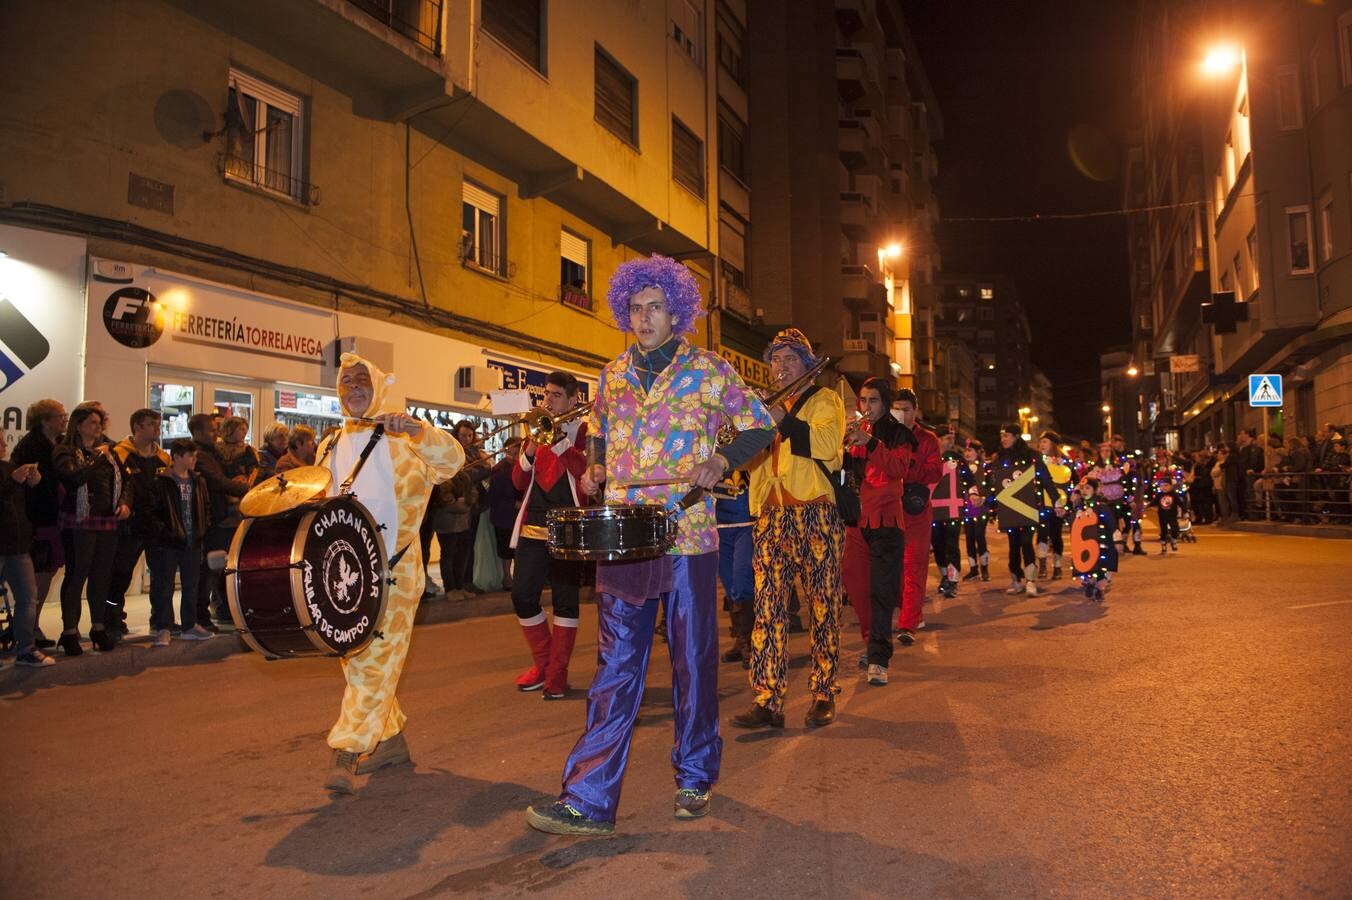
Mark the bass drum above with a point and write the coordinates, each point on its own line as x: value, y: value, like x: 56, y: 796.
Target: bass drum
x: 610, y: 533
x: 308, y: 582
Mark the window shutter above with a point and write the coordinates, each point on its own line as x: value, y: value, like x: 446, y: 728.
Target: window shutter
x: 481, y: 199
x: 614, y: 97
x: 687, y: 157
x: 732, y: 242
x: 517, y: 24
x: 573, y: 248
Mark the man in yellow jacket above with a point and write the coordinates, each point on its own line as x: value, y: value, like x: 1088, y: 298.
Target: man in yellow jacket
x: 394, y: 485
x: 798, y: 537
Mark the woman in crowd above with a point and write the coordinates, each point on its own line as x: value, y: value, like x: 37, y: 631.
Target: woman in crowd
x: 95, y: 501
x: 46, y: 425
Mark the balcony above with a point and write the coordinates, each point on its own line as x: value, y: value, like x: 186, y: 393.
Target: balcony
x: 865, y: 363
x: 384, y: 54
x: 855, y: 214
x: 861, y: 289
x: 853, y: 143
x: 852, y: 14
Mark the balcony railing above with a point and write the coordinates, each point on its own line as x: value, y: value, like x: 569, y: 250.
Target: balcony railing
x: 418, y: 20
x: 237, y: 168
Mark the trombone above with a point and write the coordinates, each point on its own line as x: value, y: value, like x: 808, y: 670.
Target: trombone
x: 537, y: 425
x: 726, y: 433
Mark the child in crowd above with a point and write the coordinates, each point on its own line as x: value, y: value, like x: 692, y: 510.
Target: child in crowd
x: 1094, y: 537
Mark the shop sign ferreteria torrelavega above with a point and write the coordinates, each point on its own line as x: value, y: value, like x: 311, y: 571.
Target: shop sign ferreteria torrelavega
x: 138, y: 311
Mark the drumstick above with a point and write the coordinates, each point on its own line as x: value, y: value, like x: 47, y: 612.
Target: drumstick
x: 651, y: 482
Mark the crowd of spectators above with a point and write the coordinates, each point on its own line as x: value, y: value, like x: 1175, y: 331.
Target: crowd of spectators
x: 1298, y: 479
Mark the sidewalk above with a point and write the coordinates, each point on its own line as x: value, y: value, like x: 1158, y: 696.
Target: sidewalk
x: 135, y: 653
x: 1317, y: 531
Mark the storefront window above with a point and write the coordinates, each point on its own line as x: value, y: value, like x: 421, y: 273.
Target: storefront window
x: 175, y: 404
x: 294, y: 407
x: 236, y: 403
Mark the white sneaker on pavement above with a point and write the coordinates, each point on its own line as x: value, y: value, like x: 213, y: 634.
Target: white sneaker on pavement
x: 196, y: 633
x: 877, y: 675
x: 162, y: 638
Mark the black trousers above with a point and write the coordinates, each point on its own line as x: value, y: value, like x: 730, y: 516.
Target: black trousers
x: 886, y: 548
x: 976, y: 540
x: 89, y: 561
x: 1049, y: 532
x: 457, y: 549
x: 211, y: 584
x: 534, y: 569
x: 1168, y: 519
x: 129, y: 550
x: 1021, y: 548
x: 944, y: 542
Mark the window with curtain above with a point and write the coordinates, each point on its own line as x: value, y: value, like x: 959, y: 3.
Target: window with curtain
x: 481, y: 238
x: 263, y: 137
x: 574, y: 269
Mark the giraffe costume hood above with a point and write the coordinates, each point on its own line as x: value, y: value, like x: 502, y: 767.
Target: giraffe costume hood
x: 395, y: 485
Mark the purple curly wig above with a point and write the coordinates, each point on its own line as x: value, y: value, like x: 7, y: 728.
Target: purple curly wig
x: 677, y: 284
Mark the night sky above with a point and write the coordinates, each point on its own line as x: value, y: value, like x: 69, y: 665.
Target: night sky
x: 1035, y: 100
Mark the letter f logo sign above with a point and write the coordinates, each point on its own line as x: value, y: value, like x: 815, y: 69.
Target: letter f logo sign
x: 21, y: 345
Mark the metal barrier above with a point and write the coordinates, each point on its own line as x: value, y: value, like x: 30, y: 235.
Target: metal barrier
x: 1309, y: 498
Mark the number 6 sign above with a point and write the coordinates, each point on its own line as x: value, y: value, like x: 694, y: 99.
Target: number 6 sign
x: 1084, y: 541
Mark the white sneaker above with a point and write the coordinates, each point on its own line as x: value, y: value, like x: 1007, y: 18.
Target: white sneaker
x: 877, y: 675
x: 920, y: 625
x: 1030, y: 588
x: 1014, y: 587
x: 162, y: 638
x: 196, y: 633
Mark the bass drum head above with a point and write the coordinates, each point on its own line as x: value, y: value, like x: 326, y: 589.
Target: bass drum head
x: 339, y: 582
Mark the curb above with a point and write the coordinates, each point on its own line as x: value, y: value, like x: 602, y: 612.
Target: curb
x: 1337, y: 532
x: 136, y: 655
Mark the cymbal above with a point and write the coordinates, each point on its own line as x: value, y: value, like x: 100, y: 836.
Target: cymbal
x: 286, y: 491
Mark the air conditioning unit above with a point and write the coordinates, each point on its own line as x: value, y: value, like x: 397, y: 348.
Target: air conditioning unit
x: 474, y: 383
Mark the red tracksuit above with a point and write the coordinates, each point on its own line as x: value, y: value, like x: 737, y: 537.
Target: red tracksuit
x: 924, y: 467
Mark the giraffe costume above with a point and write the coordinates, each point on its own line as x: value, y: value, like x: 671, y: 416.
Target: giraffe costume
x: 395, y: 485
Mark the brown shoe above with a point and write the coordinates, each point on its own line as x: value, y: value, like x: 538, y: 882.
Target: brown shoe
x: 342, y: 772
x: 759, y: 717
x: 389, y: 752
x: 821, y: 713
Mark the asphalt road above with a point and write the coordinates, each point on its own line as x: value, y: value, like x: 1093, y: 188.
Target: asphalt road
x: 1188, y: 738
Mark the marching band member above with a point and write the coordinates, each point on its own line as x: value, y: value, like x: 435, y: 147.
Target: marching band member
x: 922, y: 472
x: 798, y: 539
x: 1055, y: 504
x: 878, y: 450
x: 945, y: 529
x: 394, y: 485
x: 976, y: 512
x: 547, y: 478
x: 733, y: 513
x: 656, y: 417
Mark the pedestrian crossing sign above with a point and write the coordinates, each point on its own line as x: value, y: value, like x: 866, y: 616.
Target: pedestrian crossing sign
x: 1265, y: 390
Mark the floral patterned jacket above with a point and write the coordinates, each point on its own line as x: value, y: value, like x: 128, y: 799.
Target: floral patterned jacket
x: 664, y: 433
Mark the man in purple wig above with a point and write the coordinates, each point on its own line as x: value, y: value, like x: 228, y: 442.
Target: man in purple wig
x: 656, y: 418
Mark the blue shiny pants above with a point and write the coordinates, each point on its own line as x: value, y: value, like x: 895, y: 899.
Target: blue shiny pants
x: 734, y: 564
x: 594, y: 773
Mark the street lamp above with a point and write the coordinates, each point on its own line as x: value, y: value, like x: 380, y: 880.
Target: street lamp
x: 1108, y: 422
x: 1220, y: 59
x: 1132, y: 371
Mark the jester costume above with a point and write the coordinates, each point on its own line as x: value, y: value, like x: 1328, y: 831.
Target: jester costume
x: 394, y: 485
x: 798, y: 542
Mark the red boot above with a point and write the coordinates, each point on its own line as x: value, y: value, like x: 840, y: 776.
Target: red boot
x: 536, y: 630
x: 560, y: 652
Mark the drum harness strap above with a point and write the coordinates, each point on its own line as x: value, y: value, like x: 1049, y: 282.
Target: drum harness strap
x: 346, y: 487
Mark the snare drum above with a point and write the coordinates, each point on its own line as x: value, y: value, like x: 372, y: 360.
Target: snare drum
x: 609, y: 533
x: 309, y: 581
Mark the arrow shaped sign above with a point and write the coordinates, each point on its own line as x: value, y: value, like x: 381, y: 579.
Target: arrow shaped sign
x: 1017, y: 500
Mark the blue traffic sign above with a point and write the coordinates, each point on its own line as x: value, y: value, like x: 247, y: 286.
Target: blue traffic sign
x: 1265, y: 390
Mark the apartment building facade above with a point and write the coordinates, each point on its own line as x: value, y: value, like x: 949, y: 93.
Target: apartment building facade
x: 1245, y: 122
x: 842, y: 160
x: 218, y: 197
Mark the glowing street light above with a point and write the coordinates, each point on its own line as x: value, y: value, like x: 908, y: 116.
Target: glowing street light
x: 1106, y: 408
x: 1220, y: 59
x: 1132, y: 371
x: 893, y: 250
